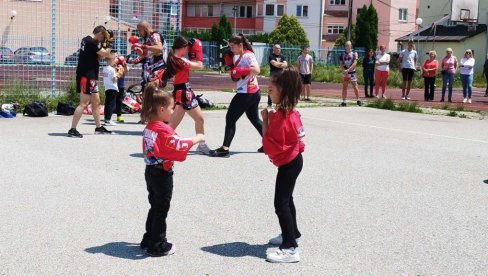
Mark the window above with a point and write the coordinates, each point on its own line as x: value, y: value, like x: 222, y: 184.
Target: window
x: 337, y: 2
x: 402, y: 15
x: 244, y: 11
x: 280, y: 10
x: 302, y: 11
x: 190, y: 11
x: 196, y: 10
x: 270, y: 10
x: 335, y: 29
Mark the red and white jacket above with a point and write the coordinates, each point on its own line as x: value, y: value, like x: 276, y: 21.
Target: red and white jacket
x: 283, y: 140
x: 161, y: 145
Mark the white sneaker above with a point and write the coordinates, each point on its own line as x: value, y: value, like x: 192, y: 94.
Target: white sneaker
x: 407, y: 98
x: 403, y: 98
x: 203, y: 148
x: 465, y: 100
x: 289, y: 255
x: 278, y: 240
x: 469, y: 100
x: 109, y: 123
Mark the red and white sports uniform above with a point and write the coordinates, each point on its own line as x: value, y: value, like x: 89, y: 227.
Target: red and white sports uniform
x: 182, y: 93
x: 161, y: 145
x: 248, y: 84
x: 283, y: 140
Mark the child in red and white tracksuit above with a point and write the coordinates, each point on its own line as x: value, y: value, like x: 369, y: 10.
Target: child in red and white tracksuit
x: 282, y: 143
x: 161, y: 147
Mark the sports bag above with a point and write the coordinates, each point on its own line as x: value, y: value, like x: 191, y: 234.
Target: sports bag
x: 36, y: 109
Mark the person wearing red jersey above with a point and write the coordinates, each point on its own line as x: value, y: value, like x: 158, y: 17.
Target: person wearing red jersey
x: 161, y: 147
x: 282, y: 142
x: 244, y: 72
x: 178, y: 67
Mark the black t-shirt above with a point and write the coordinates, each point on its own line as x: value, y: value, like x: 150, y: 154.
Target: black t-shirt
x: 278, y: 58
x: 88, y: 58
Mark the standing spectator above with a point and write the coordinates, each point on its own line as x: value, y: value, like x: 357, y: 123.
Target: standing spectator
x: 429, y: 70
x: 382, y: 70
x: 110, y: 83
x: 348, y: 62
x: 305, y: 68
x: 276, y: 64
x: 485, y: 72
x: 448, y: 66
x: 408, y: 63
x: 466, y: 73
x: 122, y: 65
x: 368, y: 73
x: 86, y: 79
x: 244, y: 73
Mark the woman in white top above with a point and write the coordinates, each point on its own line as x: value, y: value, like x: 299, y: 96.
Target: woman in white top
x: 382, y: 69
x: 466, y: 73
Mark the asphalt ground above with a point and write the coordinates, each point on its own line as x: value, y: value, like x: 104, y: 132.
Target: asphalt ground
x: 381, y: 193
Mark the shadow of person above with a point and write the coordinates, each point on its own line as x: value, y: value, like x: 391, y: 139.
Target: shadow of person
x: 238, y: 249
x: 123, y: 250
x: 486, y: 181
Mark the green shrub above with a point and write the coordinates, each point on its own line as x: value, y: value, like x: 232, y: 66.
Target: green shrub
x: 409, y: 107
x: 452, y: 113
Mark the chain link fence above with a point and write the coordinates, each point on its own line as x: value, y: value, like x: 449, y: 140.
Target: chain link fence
x: 40, y: 39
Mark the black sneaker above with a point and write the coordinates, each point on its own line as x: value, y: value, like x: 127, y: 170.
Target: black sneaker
x: 441, y: 100
x: 261, y: 150
x: 343, y: 104
x: 74, y: 133
x: 359, y: 103
x: 165, y: 249
x: 220, y: 152
x: 102, y: 130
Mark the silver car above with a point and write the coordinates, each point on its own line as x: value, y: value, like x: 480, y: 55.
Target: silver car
x: 32, y: 55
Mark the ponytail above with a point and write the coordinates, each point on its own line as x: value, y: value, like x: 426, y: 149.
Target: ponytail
x: 174, y: 64
x: 240, y: 38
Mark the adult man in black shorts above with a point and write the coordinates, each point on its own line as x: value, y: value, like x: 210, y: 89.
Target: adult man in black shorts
x: 407, y: 61
x: 277, y: 63
x: 86, y: 79
x: 154, y: 46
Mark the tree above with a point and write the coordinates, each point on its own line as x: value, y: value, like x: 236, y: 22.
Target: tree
x: 221, y: 31
x: 366, y: 31
x: 342, y: 38
x: 289, y: 31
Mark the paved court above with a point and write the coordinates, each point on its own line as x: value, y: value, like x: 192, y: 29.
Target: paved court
x: 381, y: 193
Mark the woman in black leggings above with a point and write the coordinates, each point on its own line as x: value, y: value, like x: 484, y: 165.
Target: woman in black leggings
x: 244, y: 72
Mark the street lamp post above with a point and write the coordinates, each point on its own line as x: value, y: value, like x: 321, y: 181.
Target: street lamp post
x: 418, y: 21
x: 235, y: 19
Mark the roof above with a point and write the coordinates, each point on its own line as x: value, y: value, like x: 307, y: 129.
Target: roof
x: 444, y: 33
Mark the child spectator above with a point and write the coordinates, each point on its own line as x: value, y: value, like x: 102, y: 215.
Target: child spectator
x: 282, y: 134
x: 161, y: 147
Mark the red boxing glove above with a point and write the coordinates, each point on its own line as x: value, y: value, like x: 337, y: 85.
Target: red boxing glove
x: 228, y: 60
x: 195, y: 53
x: 140, y: 46
x: 239, y: 72
x: 133, y: 39
x: 122, y: 60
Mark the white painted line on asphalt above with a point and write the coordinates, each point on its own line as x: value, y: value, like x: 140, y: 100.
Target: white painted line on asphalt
x: 398, y: 130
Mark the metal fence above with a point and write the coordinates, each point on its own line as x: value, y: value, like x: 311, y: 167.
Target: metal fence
x: 40, y: 38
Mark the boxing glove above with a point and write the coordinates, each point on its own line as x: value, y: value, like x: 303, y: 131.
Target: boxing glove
x: 239, y: 72
x: 121, y: 60
x: 133, y: 39
x: 195, y: 51
x: 228, y: 60
x: 140, y: 46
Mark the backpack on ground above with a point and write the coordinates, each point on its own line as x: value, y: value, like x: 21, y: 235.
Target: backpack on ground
x: 65, y: 109
x: 36, y: 109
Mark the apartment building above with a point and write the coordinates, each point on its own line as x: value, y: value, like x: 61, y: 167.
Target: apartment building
x: 395, y: 19
x: 254, y: 16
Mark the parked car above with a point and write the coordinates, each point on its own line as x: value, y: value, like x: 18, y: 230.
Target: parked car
x: 6, y: 55
x: 32, y: 55
x: 72, y: 60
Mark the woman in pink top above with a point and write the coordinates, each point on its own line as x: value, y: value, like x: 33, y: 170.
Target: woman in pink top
x: 448, y: 66
x: 429, y: 70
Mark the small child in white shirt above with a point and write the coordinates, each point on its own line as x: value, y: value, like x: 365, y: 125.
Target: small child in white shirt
x: 111, y: 89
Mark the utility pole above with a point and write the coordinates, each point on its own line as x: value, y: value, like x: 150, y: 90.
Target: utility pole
x: 235, y: 19
x: 349, y: 21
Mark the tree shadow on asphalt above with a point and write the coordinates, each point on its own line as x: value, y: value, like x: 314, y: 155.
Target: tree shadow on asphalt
x: 64, y: 134
x: 123, y: 250
x: 238, y: 249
